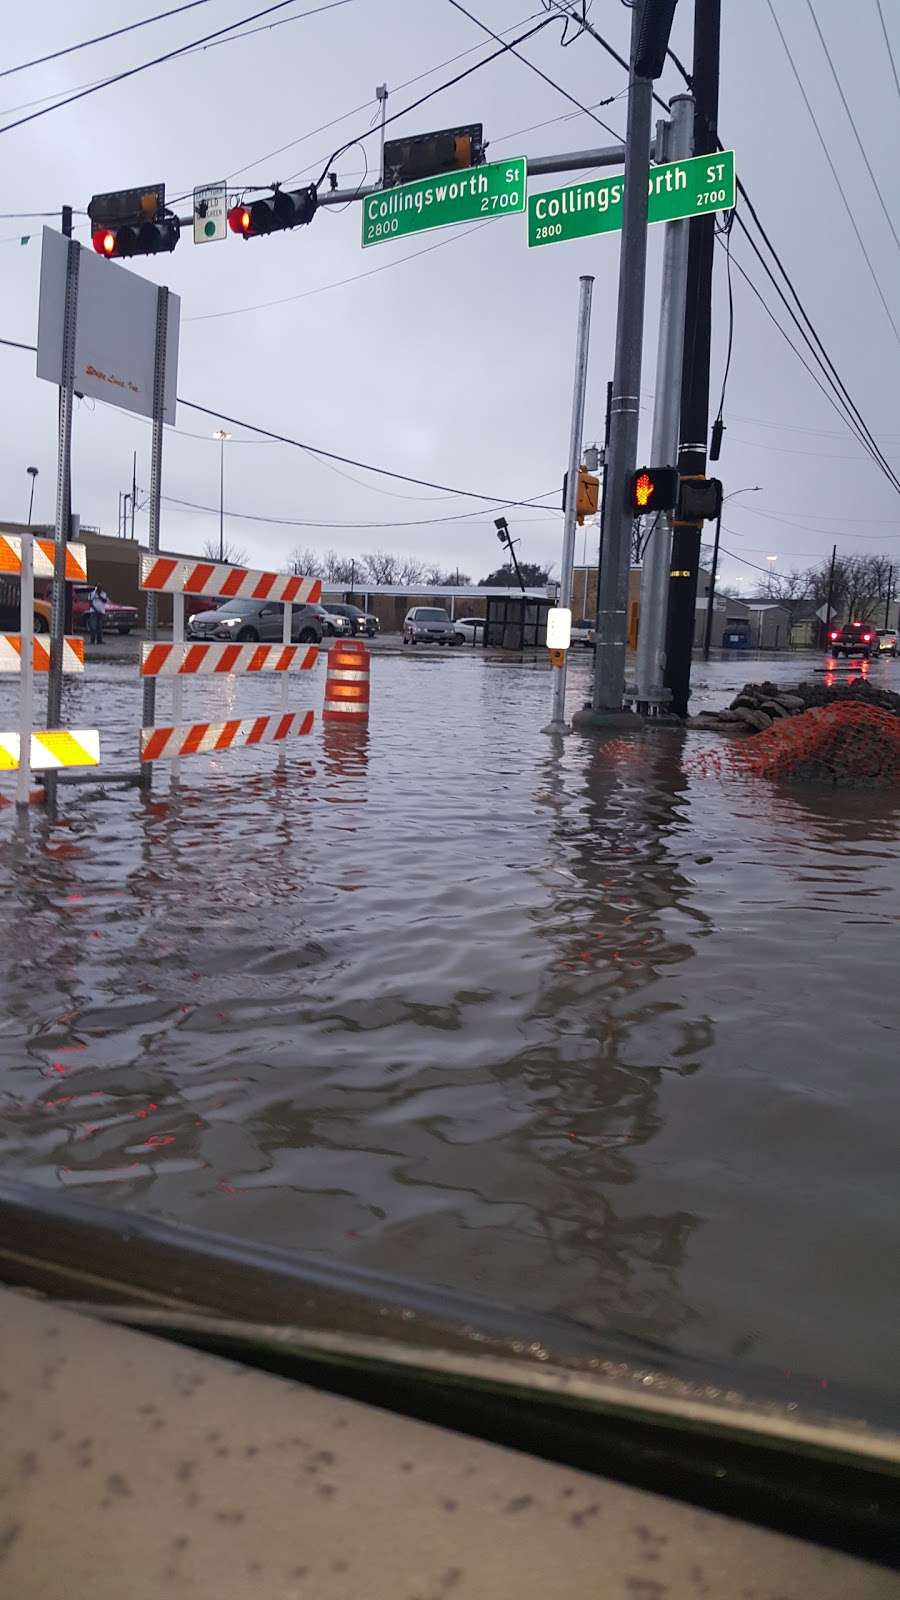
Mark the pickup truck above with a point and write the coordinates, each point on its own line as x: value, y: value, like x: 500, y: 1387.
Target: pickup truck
x: 853, y: 639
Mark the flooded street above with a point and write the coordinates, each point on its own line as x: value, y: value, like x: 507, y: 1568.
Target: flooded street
x: 569, y: 1023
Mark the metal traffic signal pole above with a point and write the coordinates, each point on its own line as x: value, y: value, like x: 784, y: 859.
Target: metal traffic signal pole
x: 673, y: 140
x: 63, y: 518
x: 156, y: 449
x: 557, y: 723
x: 612, y: 606
x: 695, y: 381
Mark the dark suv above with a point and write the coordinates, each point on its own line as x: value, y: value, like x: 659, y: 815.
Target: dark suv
x: 854, y: 639
x: 360, y: 621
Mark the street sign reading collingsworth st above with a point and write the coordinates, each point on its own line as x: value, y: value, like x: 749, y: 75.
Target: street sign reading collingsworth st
x: 466, y: 195
x: 676, y: 189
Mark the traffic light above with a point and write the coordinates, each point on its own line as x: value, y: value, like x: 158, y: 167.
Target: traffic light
x: 426, y: 154
x: 699, y: 499
x: 588, y: 496
x: 654, y: 27
x: 145, y: 239
x: 274, y: 213
x: 132, y: 222
x: 654, y: 489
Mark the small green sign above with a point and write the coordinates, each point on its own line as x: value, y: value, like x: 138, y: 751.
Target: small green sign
x: 675, y: 189
x: 494, y: 190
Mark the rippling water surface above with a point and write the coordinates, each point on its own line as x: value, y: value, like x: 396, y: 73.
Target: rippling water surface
x: 569, y: 1023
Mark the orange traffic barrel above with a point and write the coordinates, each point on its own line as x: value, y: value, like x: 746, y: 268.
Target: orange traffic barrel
x: 347, y: 683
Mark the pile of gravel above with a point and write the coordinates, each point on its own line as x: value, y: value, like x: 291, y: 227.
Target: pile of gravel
x: 759, y: 705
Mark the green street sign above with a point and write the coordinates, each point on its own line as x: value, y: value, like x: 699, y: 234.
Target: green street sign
x: 467, y: 195
x: 675, y: 189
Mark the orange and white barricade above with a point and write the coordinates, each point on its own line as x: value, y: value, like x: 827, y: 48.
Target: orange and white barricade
x: 27, y: 748
x: 188, y: 658
x: 347, y: 683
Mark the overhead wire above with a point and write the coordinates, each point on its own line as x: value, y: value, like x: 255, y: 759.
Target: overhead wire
x: 890, y: 52
x: 101, y: 38
x: 168, y: 55
x: 505, y: 47
x: 834, y: 172
x: 457, y: 6
x: 852, y: 120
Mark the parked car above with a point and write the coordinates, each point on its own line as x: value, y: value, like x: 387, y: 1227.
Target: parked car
x: 428, y: 625
x: 249, y: 620
x: 334, y: 625
x: 853, y: 639
x: 468, y: 630
x: 360, y: 621
x: 583, y: 632
x: 118, y: 617
x: 887, y: 641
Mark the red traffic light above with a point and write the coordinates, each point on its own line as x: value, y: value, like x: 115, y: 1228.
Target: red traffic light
x: 240, y: 220
x: 654, y: 489
x: 143, y: 239
x: 104, y: 241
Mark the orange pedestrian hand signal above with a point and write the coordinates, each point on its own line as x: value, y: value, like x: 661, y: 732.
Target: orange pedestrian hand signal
x: 654, y: 489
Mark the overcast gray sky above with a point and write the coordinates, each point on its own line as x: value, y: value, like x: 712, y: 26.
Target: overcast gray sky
x: 453, y: 365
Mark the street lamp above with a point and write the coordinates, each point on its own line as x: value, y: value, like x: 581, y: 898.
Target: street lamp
x: 221, y: 435
x: 32, y: 473
x: 753, y: 488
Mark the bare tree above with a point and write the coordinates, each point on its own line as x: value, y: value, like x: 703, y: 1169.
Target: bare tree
x: 341, y: 569
x: 233, y: 554
x: 441, y: 577
x: 861, y: 585
x: 794, y: 585
x: 381, y: 566
x: 410, y: 570
x: 306, y: 563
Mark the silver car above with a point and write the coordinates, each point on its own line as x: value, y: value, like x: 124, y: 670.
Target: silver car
x: 247, y: 621
x: 428, y: 625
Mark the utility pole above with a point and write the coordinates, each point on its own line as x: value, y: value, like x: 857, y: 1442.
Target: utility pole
x: 673, y: 141
x: 695, y: 381
x: 63, y: 519
x: 612, y: 600
x: 890, y: 596
x: 133, y: 489
x: 830, y: 589
x: 710, y: 599
x: 557, y: 723
x: 221, y: 435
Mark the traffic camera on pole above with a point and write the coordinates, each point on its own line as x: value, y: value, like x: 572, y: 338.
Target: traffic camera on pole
x: 274, y: 213
x: 654, y: 489
x: 132, y: 222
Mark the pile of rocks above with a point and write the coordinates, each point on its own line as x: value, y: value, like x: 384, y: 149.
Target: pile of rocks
x: 759, y: 705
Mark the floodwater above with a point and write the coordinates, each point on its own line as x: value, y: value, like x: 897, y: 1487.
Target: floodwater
x: 576, y: 1024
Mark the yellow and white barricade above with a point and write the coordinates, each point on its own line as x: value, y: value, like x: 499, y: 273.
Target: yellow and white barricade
x: 27, y: 748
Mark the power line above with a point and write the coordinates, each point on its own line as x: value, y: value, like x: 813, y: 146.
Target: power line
x: 887, y: 43
x: 349, y: 461
x: 398, y: 88
x: 834, y: 173
x: 304, y: 522
x: 476, y: 66
x: 524, y: 59
x: 852, y: 121
x: 823, y: 358
x: 101, y: 38
x: 829, y: 396
x: 190, y: 50
x: 169, y: 55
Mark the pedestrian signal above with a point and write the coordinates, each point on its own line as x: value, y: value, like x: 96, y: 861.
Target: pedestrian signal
x: 654, y: 489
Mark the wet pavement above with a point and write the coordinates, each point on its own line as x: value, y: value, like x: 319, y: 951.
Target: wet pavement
x: 572, y: 1023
